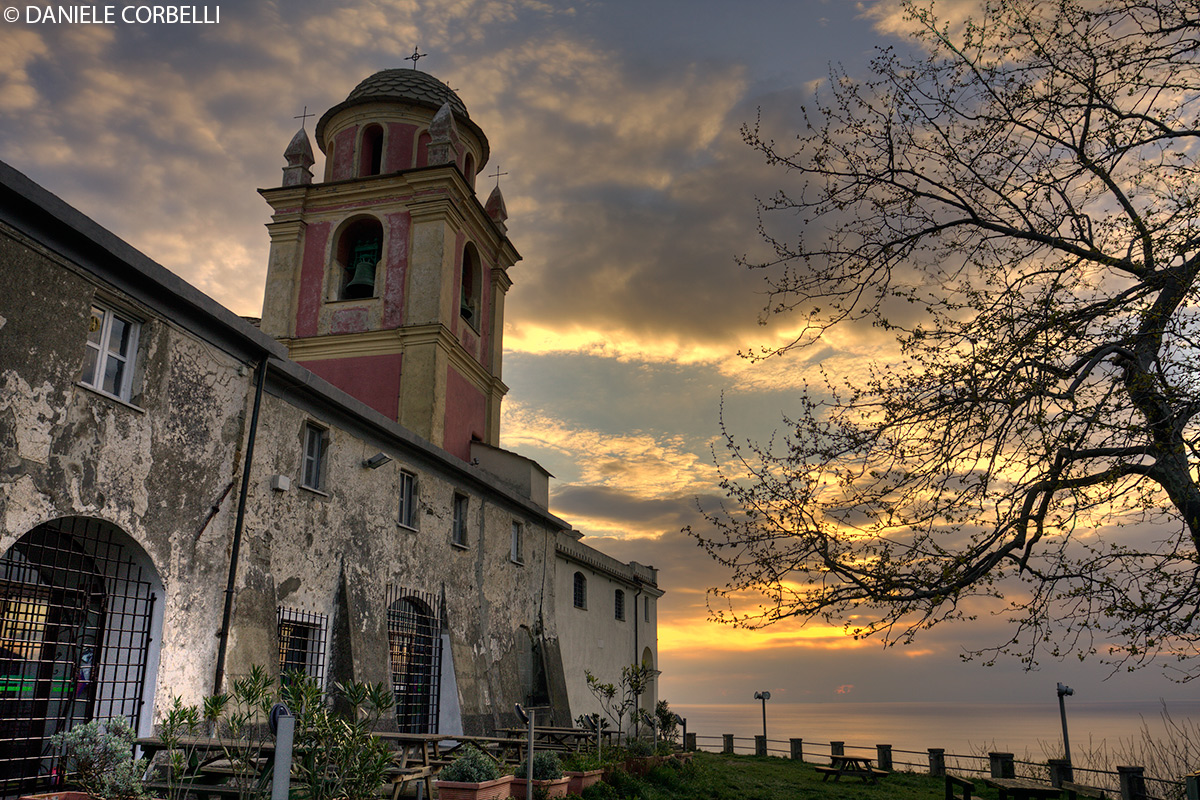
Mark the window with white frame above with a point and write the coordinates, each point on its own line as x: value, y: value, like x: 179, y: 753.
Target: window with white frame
x: 109, y: 357
x: 315, y: 444
x: 619, y: 605
x: 301, y: 644
x: 518, y: 533
x: 408, y: 499
x: 459, y: 532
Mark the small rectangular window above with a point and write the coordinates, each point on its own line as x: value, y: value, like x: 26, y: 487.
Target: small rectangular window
x: 314, y: 457
x: 459, y: 534
x: 301, y: 644
x: 646, y: 608
x: 108, y: 358
x: 619, y: 606
x: 408, y: 500
x: 517, y: 535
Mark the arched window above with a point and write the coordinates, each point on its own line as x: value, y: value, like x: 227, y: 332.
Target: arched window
x: 371, y: 151
x: 423, y: 149
x: 77, y: 622
x: 359, y: 251
x: 469, y: 306
x: 415, y: 653
x: 619, y: 605
x: 580, y: 590
x: 469, y: 169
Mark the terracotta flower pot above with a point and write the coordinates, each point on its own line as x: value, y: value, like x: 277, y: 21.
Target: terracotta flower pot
x: 59, y: 795
x: 488, y: 790
x: 581, y: 780
x: 554, y: 788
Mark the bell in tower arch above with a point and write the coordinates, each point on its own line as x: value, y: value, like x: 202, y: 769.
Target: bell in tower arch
x: 364, y: 259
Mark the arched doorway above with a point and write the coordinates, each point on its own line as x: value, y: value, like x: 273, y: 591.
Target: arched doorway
x: 415, y: 651
x: 77, y: 602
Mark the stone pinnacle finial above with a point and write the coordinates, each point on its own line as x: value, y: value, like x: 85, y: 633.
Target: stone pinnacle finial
x: 299, y: 157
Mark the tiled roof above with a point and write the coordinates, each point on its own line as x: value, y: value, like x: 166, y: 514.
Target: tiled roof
x: 410, y: 86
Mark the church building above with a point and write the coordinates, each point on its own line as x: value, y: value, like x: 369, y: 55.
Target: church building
x: 186, y: 494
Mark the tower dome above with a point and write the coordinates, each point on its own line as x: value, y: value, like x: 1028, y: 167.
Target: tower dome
x: 410, y: 87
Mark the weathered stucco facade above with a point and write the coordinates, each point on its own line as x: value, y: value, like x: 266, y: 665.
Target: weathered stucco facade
x: 181, y: 499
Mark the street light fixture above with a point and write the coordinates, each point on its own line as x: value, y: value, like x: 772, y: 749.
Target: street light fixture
x: 1063, y: 691
x: 527, y: 716
x: 764, y: 696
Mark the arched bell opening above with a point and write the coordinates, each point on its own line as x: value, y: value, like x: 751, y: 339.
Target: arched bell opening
x: 470, y: 284
x: 371, y: 151
x: 357, y: 258
x: 415, y: 653
x: 79, y: 632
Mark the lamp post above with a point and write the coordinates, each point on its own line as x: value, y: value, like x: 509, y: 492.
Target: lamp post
x: 1063, y: 691
x: 764, y: 696
x: 527, y: 716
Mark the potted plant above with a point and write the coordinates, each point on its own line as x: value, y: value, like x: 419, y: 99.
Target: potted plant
x: 96, y: 757
x: 582, y: 770
x: 547, y: 776
x: 473, y: 775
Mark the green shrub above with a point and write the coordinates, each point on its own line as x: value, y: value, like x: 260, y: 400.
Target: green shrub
x: 582, y: 761
x: 546, y: 767
x: 473, y: 766
x: 97, y: 756
x: 639, y: 748
x: 600, y: 791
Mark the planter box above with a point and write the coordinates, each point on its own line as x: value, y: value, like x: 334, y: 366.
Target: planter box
x: 556, y: 788
x: 59, y: 795
x: 581, y: 780
x: 488, y: 790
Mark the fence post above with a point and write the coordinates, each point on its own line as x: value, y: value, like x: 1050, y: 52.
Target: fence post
x: 1193, y: 786
x: 883, y: 753
x: 281, y: 778
x: 1133, y: 783
x: 798, y: 753
x: 1002, y: 765
x: 727, y: 738
x: 837, y: 748
x: 1060, y: 770
x: 689, y: 742
x: 760, y: 745
x: 937, y: 762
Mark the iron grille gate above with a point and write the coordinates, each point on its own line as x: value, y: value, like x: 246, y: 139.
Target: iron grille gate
x: 75, y: 612
x: 415, y: 621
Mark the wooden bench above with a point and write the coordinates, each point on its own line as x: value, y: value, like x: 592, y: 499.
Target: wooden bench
x: 1075, y: 790
x: 954, y: 782
x: 1022, y: 789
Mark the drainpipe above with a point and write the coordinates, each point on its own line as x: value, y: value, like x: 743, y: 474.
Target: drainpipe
x: 227, y: 615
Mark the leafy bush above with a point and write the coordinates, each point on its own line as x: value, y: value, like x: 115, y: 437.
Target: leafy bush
x: 473, y: 766
x: 639, y: 748
x: 546, y: 767
x: 600, y: 791
x: 97, y: 757
x: 582, y: 761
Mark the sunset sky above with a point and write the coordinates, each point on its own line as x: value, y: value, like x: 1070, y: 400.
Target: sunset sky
x: 630, y: 194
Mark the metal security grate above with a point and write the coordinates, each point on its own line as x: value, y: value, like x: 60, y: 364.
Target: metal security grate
x: 75, y: 614
x: 302, y: 643
x: 415, y: 621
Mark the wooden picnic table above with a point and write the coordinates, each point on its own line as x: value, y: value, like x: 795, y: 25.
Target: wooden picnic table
x: 211, y: 774
x: 1022, y: 789
x: 566, y: 739
x: 853, y: 766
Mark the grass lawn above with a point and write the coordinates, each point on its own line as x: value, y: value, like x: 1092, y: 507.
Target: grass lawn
x: 713, y: 776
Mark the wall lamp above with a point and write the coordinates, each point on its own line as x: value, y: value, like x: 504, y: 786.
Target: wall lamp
x: 376, y: 461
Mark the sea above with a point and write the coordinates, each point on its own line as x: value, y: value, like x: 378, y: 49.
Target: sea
x: 1031, y: 731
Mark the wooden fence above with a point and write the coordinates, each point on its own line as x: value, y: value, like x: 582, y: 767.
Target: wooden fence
x: 1129, y: 783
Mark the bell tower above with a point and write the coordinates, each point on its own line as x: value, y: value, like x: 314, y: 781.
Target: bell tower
x: 388, y: 278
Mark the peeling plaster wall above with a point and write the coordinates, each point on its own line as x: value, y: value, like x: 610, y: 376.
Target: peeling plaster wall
x: 300, y: 546
x: 154, y: 467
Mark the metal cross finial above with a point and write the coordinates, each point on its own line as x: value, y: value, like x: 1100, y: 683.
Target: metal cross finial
x: 416, y: 56
x: 497, y: 175
x: 303, y: 117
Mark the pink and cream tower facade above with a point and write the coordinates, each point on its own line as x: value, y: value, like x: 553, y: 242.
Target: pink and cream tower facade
x: 388, y: 278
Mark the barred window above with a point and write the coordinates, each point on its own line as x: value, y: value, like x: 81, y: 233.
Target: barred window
x: 619, y: 605
x: 301, y: 643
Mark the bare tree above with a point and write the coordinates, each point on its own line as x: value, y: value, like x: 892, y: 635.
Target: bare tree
x: 1014, y: 206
